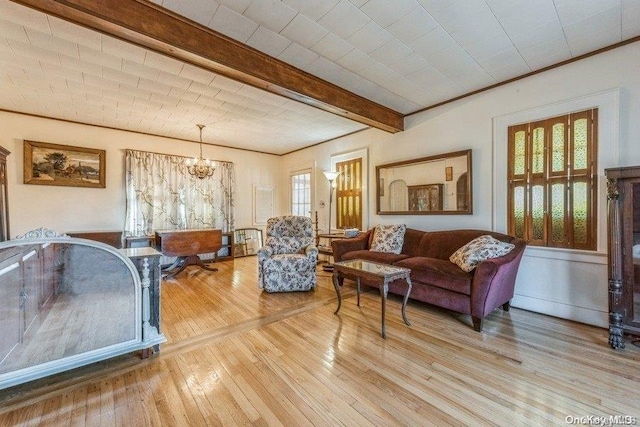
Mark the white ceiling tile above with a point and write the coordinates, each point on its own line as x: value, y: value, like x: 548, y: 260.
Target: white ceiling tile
x: 267, y: 41
x: 324, y: 68
x: 572, y: 11
x: 313, y: 9
x: 332, y: 47
x: 298, y: 56
x: 122, y: 49
x: 191, y: 72
x: 377, y: 72
x: 434, y: 41
x: 100, y: 82
x: 13, y: 31
x: 501, y: 60
x: 490, y: 47
x: 238, y: 6
x: 153, y: 86
x: 200, y: 88
x: 272, y: 14
x: 452, y: 61
x: 74, y: 33
x: 303, y: 31
x: 163, y: 63
x: 630, y: 18
x: 370, y: 37
x: 222, y: 82
x: 520, y: 16
x: 100, y: 58
x: 545, y: 54
x: 140, y: 70
x: 199, y: 11
x: 52, y: 43
x: 355, y: 60
x: 251, y: 92
x: 61, y: 72
x: 232, y: 24
x: 386, y: 12
x: 510, y: 70
x: 408, y: 65
x: 344, y: 19
x: 30, y: 51
x: 594, y: 32
x: 78, y: 65
x: 391, y: 52
x: 23, y: 15
x: 413, y: 25
x: 120, y: 77
x: 538, y: 36
x: 433, y: 6
x: 173, y: 80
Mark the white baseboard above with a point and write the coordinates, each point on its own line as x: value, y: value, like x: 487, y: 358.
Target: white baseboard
x: 564, y: 311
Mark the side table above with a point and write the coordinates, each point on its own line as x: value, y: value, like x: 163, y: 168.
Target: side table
x: 382, y: 274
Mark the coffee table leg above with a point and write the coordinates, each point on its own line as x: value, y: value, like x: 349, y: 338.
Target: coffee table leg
x: 358, y: 289
x: 337, y: 286
x: 384, y: 289
x: 404, y: 302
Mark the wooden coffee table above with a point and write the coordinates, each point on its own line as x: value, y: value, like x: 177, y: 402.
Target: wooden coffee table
x: 383, y: 274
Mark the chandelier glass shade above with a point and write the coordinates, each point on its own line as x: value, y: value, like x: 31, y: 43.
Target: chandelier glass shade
x: 199, y: 166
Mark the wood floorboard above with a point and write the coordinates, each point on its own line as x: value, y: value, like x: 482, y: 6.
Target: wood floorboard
x: 239, y: 356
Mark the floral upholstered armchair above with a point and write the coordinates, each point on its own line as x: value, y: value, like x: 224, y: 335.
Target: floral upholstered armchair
x: 287, y: 261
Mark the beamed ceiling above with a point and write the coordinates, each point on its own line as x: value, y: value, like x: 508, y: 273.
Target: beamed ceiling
x: 277, y: 76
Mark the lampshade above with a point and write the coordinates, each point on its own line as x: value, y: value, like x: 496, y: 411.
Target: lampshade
x: 331, y: 175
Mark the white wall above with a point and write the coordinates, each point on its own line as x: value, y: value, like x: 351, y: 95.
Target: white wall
x: 569, y: 284
x: 67, y: 209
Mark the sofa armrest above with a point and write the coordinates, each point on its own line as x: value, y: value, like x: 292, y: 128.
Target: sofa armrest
x: 494, y: 281
x: 342, y: 246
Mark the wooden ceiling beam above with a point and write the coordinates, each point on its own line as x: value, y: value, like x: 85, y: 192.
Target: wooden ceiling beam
x: 151, y: 26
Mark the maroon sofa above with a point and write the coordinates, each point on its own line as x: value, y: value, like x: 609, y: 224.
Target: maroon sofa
x: 438, y: 281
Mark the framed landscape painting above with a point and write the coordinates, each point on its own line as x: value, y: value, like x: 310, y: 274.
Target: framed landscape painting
x: 53, y: 164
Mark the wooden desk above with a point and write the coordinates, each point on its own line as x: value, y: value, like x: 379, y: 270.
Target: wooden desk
x: 186, y: 245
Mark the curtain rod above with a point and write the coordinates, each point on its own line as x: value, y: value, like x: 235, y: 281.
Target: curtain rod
x: 174, y: 155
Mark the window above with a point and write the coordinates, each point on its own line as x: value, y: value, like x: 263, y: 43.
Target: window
x: 552, y: 181
x: 301, y: 193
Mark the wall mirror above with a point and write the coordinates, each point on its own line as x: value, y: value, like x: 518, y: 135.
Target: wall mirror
x: 247, y: 241
x: 434, y: 185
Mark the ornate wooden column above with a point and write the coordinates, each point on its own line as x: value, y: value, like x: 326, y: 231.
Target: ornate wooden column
x: 616, y: 306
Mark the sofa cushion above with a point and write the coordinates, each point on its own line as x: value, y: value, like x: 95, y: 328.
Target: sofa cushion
x: 479, y: 249
x: 439, y: 273
x: 388, y: 238
x: 382, y: 257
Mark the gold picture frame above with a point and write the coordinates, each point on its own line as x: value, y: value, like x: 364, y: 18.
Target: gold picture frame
x: 63, y: 165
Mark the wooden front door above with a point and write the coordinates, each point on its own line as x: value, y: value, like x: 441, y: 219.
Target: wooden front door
x: 349, y: 194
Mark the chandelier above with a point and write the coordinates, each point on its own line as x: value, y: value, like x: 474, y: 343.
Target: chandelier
x: 199, y: 166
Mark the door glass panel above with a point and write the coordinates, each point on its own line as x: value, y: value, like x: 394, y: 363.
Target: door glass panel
x: 538, y: 150
x: 537, y: 212
x: 580, y: 208
x: 580, y: 144
x: 557, y: 147
x: 558, y: 213
x: 518, y: 211
x: 518, y: 153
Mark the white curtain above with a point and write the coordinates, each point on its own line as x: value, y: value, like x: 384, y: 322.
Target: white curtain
x: 162, y: 195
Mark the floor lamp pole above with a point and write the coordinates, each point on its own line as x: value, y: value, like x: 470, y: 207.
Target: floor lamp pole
x: 331, y: 176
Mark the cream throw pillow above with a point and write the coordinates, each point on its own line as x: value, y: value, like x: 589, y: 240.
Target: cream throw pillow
x: 388, y: 238
x: 479, y: 249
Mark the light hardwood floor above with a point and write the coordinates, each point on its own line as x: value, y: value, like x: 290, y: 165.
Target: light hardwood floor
x: 237, y: 356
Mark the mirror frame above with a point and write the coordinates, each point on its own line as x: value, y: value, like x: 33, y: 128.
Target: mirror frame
x: 427, y: 159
